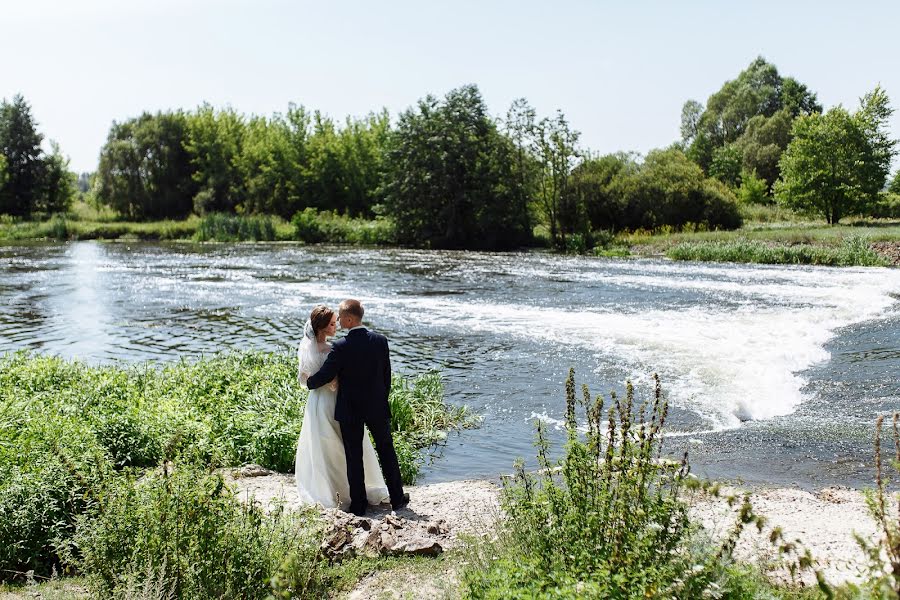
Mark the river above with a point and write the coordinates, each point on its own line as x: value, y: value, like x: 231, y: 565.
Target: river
x: 775, y: 374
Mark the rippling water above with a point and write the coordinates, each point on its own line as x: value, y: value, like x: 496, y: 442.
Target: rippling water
x: 775, y: 373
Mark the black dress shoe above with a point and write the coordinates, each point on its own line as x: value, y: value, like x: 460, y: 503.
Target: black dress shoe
x: 402, y: 503
x: 359, y: 511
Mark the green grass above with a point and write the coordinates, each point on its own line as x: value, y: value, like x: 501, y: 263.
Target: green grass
x: 221, y: 227
x: 313, y: 226
x: 853, y: 251
x: 67, y: 428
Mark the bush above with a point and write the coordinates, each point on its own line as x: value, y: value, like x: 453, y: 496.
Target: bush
x: 314, y: 227
x: 887, y: 207
x: 184, y: 532
x: 221, y: 227
x: 608, y: 520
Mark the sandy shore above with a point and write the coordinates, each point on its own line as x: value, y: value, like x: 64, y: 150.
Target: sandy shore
x: 825, y: 522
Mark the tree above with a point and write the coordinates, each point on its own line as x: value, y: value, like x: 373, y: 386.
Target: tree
x: 145, y: 168
x: 753, y: 190
x: 4, y: 173
x: 763, y: 142
x: 58, y: 186
x: 726, y: 165
x: 20, y: 143
x: 555, y: 144
x: 213, y: 142
x: 894, y: 186
x: 690, y: 121
x: 592, y: 183
x: 760, y: 92
x: 669, y: 189
x: 837, y: 163
x: 449, y: 180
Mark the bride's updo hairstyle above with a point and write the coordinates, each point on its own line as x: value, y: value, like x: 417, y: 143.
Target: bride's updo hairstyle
x: 320, y: 318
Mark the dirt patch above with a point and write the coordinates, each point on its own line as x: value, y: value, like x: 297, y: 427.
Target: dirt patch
x: 889, y: 251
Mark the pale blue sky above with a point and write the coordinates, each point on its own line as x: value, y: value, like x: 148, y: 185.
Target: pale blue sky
x: 620, y: 71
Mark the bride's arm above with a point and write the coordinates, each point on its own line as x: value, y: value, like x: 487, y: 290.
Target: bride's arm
x: 333, y: 385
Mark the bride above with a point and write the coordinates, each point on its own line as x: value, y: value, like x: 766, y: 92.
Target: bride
x: 321, y: 467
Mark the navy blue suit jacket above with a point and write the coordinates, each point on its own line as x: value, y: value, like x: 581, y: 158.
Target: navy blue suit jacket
x: 362, y: 363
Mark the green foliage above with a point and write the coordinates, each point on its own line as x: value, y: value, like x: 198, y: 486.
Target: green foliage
x: 213, y: 144
x: 854, y: 251
x: 4, y: 173
x: 608, y: 520
x: 746, y: 125
x: 183, y: 531
x: 66, y: 427
x: 894, y: 186
x: 313, y: 226
x: 450, y: 179
x: 221, y: 227
x: 670, y: 190
x: 144, y: 170
x: 726, y: 165
x: 58, y: 188
x: 592, y: 184
x: 887, y: 207
x: 884, y: 553
x: 30, y: 180
x: 837, y: 163
x: 753, y: 189
x: 758, y: 91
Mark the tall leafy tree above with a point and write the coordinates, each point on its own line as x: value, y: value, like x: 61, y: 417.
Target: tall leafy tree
x: 837, y: 163
x: 737, y: 114
x: 20, y: 144
x: 264, y: 167
x: 58, y: 187
x: 448, y: 178
x: 213, y: 142
x: 556, y: 149
x: 145, y: 169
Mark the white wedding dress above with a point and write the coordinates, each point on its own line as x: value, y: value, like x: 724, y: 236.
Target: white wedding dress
x: 320, y: 466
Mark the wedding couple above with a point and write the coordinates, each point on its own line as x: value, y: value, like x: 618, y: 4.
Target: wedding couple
x: 349, y: 382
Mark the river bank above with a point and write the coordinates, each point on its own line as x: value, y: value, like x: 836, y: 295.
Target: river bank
x: 825, y: 522
x: 860, y: 243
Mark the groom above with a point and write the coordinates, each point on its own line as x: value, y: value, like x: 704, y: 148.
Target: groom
x: 362, y: 363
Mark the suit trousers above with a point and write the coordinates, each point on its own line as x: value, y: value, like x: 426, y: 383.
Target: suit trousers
x: 352, y: 434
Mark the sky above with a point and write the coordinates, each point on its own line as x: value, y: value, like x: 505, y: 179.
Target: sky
x: 620, y: 71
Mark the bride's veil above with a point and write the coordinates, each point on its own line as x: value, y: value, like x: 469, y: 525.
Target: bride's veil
x: 308, y: 355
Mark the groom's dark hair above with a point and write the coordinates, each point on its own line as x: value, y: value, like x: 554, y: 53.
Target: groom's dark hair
x: 351, y: 307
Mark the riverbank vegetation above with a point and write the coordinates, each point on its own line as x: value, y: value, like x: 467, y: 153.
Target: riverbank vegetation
x: 610, y: 519
x: 113, y: 471
x: 446, y: 174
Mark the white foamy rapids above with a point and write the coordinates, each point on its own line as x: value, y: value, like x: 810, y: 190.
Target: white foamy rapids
x: 727, y: 364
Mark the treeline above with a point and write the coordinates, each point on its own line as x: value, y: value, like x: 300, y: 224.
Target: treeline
x: 767, y: 138
x: 31, y: 181
x: 446, y: 174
